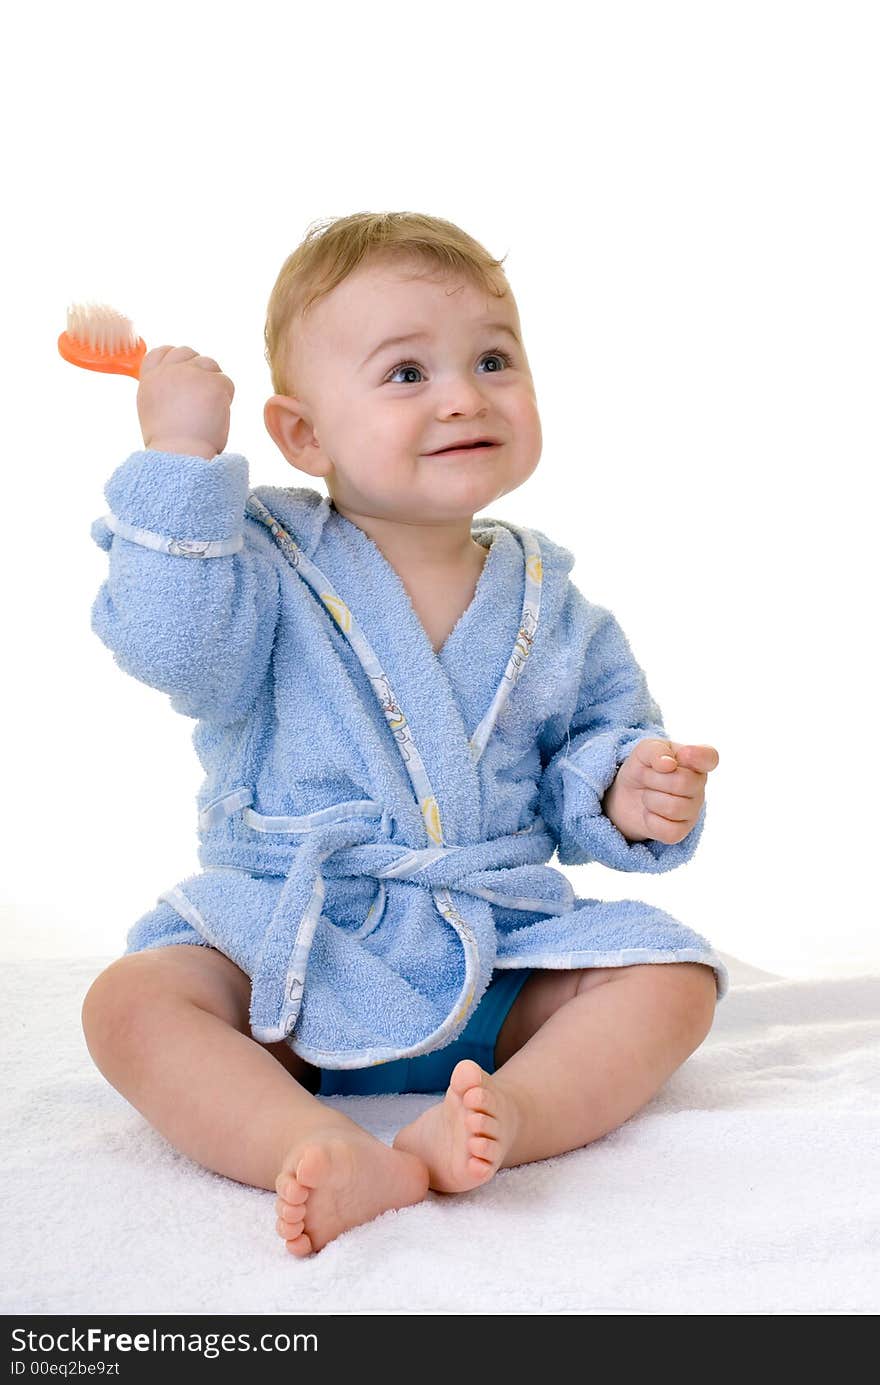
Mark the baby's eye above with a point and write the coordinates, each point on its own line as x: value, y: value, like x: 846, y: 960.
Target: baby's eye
x: 410, y: 365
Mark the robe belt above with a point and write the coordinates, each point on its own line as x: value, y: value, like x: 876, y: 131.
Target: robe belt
x: 508, y: 860
x: 456, y: 867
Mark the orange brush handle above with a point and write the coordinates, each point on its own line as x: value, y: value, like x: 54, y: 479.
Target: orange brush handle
x: 111, y: 363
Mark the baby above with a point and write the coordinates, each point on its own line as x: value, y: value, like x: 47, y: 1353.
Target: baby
x: 402, y: 712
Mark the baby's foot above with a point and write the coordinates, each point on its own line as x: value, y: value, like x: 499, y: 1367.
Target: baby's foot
x: 464, y: 1138
x: 338, y: 1178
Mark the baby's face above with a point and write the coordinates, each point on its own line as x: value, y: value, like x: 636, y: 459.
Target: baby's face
x: 369, y: 415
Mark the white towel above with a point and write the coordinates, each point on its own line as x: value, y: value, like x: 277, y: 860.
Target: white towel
x: 748, y: 1185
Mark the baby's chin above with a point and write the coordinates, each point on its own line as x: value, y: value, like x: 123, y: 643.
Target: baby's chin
x: 418, y: 501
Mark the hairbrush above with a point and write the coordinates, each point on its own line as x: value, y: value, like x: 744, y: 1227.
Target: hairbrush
x: 100, y: 338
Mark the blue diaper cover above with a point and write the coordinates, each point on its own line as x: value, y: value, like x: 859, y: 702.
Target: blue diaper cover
x: 430, y: 1072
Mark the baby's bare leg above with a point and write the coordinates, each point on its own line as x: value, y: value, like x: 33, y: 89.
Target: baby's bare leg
x: 169, y: 1029
x: 572, y: 1073
x: 604, y: 1053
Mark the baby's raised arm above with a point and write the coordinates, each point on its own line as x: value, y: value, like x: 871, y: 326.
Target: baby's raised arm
x: 191, y: 602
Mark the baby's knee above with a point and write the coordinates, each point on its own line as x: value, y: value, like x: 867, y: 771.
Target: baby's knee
x: 693, y: 990
x: 133, y: 995
x: 114, y: 1000
x: 685, y: 992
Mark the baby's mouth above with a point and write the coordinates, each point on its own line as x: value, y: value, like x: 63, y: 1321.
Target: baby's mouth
x: 472, y: 447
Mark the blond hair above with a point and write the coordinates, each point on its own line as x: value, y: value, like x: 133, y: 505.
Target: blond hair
x: 334, y: 248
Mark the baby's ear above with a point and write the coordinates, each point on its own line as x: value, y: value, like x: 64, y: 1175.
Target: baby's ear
x: 294, y: 435
x: 274, y: 411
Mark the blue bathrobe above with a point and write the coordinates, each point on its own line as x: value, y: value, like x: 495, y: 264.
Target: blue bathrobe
x: 376, y: 818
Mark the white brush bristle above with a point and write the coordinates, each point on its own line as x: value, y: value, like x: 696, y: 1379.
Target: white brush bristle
x: 101, y: 327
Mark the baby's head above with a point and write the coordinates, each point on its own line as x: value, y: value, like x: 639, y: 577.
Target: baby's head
x: 365, y: 413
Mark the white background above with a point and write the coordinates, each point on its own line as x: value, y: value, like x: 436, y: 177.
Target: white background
x: 687, y: 198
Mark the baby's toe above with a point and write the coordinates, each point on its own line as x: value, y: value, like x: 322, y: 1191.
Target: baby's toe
x: 301, y: 1246
x: 478, y: 1123
x: 291, y: 1213
x: 466, y: 1076
x: 482, y: 1099
x: 479, y: 1169
x: 289, y: 1230
x: 289, y: 1189
x: 481, y: 1148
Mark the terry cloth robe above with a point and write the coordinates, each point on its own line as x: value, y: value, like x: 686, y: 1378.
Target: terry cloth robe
x: 376, y: 819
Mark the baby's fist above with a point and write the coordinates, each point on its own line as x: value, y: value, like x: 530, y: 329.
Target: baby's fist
x: 659, y: 790
x: 183, y: 402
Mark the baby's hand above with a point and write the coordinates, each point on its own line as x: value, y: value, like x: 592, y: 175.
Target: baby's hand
x: 183, y: 402
x: 659, y: 790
